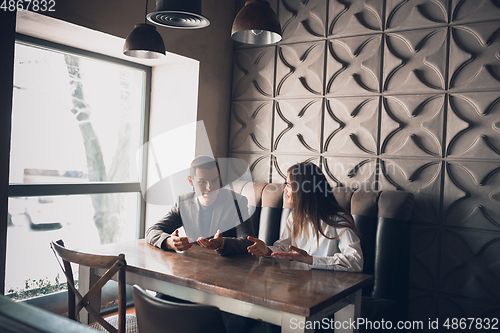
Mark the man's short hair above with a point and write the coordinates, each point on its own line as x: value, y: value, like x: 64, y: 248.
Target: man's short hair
x: 203, y: 162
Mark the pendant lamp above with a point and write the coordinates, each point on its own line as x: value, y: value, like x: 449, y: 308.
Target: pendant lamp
x: 182, y: 14
x: 144, y: 41
x: 256, y: 23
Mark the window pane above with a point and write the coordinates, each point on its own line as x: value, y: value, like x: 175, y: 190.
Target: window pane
x: 74, y: 119
x: 79, y: 220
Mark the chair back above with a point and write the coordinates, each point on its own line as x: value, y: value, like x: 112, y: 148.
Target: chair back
x: 155, y: 315
x: 114, y: 264
x: 383, y: 219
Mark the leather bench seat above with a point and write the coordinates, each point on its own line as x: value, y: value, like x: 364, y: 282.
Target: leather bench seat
x: 383, y: 220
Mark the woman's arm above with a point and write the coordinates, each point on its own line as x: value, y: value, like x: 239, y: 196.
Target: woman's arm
x: 350, y: 257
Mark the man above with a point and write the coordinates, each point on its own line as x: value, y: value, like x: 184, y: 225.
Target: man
x: 208, y: 211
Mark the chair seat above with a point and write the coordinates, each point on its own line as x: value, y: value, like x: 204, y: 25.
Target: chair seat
x: 130, y: 323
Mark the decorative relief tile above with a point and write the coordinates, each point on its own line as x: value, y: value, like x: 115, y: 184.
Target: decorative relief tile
x: 351, y: 125
x: 470, y: 265
x: 297, y: 126
x: 475, y: 56
x: 353, y: 65
x: 412, y: 125
x: 415, y: 61
x: 473, y: 129
x: 407, y: 14
x: 302, y: 20
x: 420, y: 177
x: 259, y: 165
x: 251, y: 126
x: 423, y: 305
x: 300, y: 69
x: 281, y: 163
x: 355, y: 17
x: 458, y: 307
x: 253, y: 73
x: 424, y: 259
x: 472, y: 195
x: 474, y: 10
x: 352, y: 172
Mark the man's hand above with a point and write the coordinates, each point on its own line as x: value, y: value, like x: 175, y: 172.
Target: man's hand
x: 296, y: 254
x: 177, y: 243
x: 259, y: 248
x: 212, y: 244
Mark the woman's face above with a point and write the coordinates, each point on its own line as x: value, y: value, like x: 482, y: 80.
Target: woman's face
x: 288, y: 190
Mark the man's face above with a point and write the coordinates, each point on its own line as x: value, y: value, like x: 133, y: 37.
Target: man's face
x: 206, y: 185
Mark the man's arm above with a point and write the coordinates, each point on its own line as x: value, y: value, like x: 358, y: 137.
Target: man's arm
x: 157, y: 234
x: 239, y: 244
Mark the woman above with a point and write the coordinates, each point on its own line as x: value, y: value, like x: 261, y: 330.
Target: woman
x: 319, y: 231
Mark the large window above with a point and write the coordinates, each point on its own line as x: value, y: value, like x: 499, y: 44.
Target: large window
x: 78, y: 121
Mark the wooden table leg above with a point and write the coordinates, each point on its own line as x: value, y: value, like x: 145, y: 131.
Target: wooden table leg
x: 291, y: 323
x: 349, y: 314
x: 86, y: 279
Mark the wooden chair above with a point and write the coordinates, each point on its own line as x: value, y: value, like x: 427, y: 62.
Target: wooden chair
x: 114, y: 264
x: 155, y: 315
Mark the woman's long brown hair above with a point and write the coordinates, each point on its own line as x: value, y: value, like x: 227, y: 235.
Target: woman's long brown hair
x: 313, y: 201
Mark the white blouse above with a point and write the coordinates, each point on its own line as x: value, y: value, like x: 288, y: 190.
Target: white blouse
x: 340, y: 254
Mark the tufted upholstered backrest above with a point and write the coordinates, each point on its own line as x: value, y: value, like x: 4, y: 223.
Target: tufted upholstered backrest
x: 382, y: 217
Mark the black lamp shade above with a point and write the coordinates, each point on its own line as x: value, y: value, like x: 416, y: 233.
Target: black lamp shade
x: 256, y: 23
x: 144, y: 42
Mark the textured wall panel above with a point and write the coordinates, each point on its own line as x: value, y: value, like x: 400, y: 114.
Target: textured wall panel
x: 472, y: 194
x: 259, y: 165
x: 412, y: 125
x: 470, y: 264
x: 474, y: 10
x: 251, y: 126
x: 359, y: 173
x: 281, y: 163
x: 410, y: 91
x: 415, y: 61
x: 351, y: 125
x: 253, y: 73
x: 355, y: 17
x: 473, y: 129
x: 459, y: 307
x: 300, y: 69
x: 302, y: 20
x: 475, y: 56
x: 297, y: 125
x: 423, y: 305
x: 420, y: 177
x: 408, y: 14
x: 353, y: 65
x: 424, y: 262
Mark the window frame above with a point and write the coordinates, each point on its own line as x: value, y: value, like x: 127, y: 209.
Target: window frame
x: 55, y: 189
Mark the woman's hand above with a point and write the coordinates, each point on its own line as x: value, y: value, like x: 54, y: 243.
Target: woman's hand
x: 259, y: 248
x: 296, y: 254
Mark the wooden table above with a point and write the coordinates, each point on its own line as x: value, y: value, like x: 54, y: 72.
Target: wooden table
x: 278, y: 291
